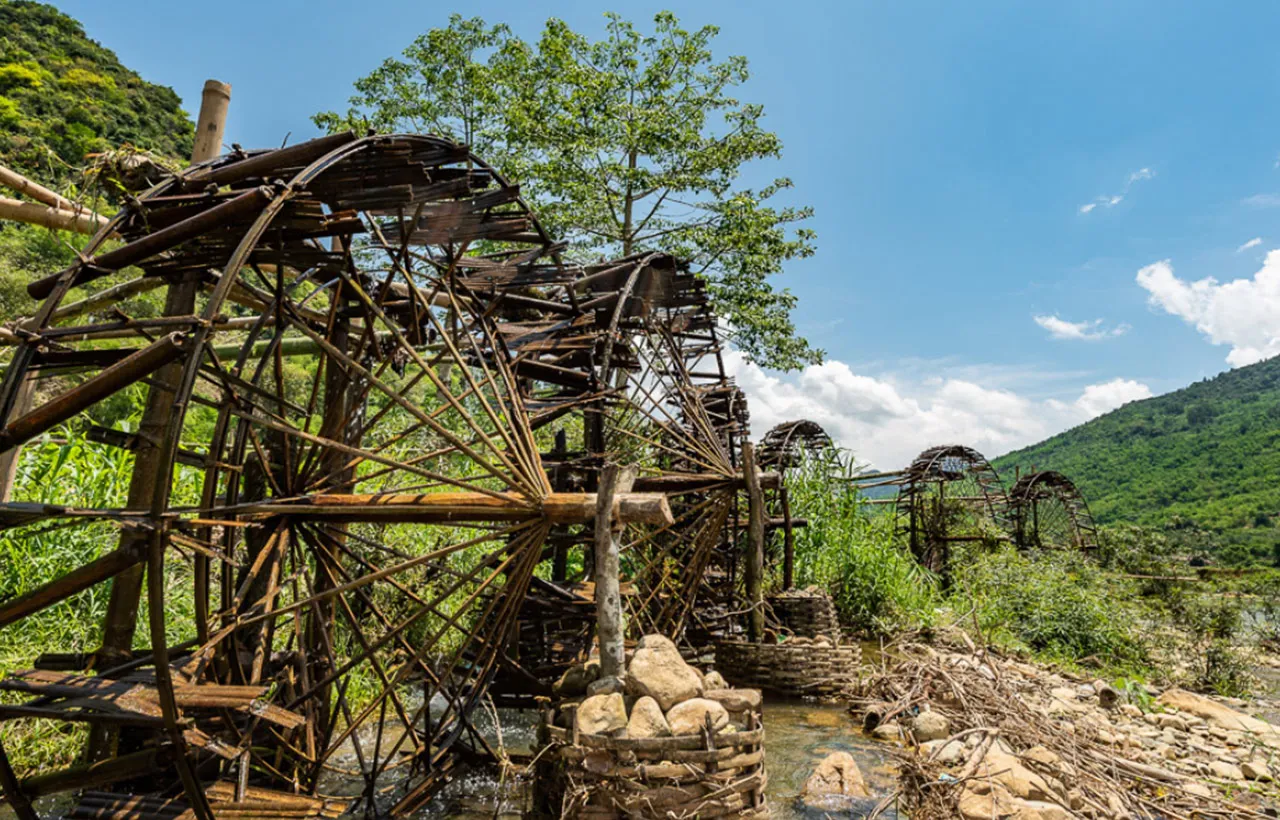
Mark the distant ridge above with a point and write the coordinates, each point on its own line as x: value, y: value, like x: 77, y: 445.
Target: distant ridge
x: 1206, y: 456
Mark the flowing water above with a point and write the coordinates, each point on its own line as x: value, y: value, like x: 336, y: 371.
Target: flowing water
x: 798, y: 735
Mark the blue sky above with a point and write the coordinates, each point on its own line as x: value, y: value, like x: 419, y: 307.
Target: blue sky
x: 950, y: 151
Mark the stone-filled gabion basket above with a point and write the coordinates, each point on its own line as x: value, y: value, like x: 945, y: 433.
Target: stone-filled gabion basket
x: 800, y: 666
x: 668, y: 742
x: 807, y: 613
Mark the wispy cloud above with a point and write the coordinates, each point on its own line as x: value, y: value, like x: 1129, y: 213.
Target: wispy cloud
x: 1252, y: 243
x: 1262, y: 201
x: 1112, y: 200
x: 1088, y: 331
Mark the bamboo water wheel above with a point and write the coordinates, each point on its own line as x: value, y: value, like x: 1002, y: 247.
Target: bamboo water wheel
x: 1048, y: 512
x: 948, y: 495
x: 353, y: 470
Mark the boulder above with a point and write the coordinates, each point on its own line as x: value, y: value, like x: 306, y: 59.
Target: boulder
x: 658, y: 671
x: 1256, y: 770
x: 930, y: 726
x: 836, y: 779
x: 575, y: 680
x: 714, y: 680
x: 1175, y: 722
x: 688, y: 717
x: 602, y: 715
x: 735, y: 700
x: 647, y: 720
x: 1219, y: 716
x: 985, y: 801
x: 1007, y: 770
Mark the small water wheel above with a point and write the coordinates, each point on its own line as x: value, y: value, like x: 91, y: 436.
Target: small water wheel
x: 948, y: 495
x: 1048, y: 512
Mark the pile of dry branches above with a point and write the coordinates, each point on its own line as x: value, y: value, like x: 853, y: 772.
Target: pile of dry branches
x: 1000, y: 702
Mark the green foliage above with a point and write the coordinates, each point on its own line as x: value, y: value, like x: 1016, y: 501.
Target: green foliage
x: 1056, y: 604
x: 1199, y: 463
x: 68, y: 96
x: 876, y: 584
x: 634, y: 142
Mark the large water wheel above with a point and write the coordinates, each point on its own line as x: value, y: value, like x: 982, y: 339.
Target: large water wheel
x: 948, y: 495
x: 341, y: 472
x: 1048, y: 512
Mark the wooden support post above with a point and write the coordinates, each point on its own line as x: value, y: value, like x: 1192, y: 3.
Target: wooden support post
x: 126, y: 590
x: 607, y: 569
x: 754, y: 565
x: 789, y: 540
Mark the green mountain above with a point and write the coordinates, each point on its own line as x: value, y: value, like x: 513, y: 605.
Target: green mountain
x: 1204, y: 460
x: 63, y: 96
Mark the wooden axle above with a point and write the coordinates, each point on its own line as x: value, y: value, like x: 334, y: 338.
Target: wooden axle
x: 556, y: 508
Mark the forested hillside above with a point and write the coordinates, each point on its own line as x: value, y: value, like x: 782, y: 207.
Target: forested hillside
x: 1206, y: 457
x: 62, y: 97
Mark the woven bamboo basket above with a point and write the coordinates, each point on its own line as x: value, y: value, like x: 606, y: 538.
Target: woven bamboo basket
x: 807, y: 613
x: 701, y: 776
x: 797, y: 667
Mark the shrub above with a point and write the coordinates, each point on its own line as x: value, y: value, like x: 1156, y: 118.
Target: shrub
x: 877, y: 585
x: 1055, y: 604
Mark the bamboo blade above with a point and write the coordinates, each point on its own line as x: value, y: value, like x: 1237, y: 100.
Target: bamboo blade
x: 78, y: 580
x: 104, y: 264
x: 111, y: 380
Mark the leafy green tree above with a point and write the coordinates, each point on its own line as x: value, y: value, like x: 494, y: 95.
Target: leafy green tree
x: 630, y: 143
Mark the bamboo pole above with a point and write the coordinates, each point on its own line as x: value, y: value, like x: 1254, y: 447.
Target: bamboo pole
x: 789, y: 540
x: 754, y: 569
x: 55, y: 219
x: 212, y: 121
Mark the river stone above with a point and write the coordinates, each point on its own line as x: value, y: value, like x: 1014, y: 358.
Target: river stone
x: 945, y: 752
x: 647, y: 720
x: 735, y: 700
x: 1225, y: 771
x: 930, y: 726
x: 1255, y: 770
x: 714, y: 680
x: 658, y: 671
x: 689, y: 717
x: 1040, y: 810
x: 605, y: 686
x: 602, y: 715
x: 887, y: 731
x: 982, y: 800
x: 575, y: 680
x: 1175, y: 722
x: 837, y: 776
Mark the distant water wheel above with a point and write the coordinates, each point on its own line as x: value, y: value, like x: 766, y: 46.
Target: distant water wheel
x: 338, y: 480
x: 785, y: 448
x: 1048, y: 512
x: 948, y: 495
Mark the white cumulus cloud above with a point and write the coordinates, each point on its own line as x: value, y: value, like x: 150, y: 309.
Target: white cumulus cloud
x: 1090, y: 331
x: 1242, y: 313
x: 887, y: 424
x: 1252, y: 243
